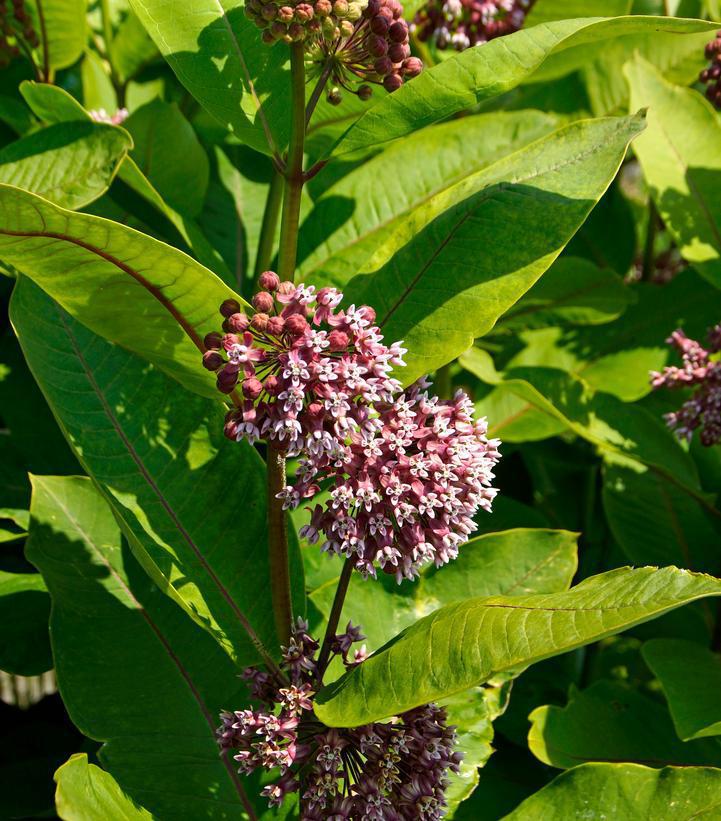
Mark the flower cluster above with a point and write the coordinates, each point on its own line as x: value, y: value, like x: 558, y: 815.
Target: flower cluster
x: 295, y: 22
x: 309, y: 373
x: 699, y: 370
x: 17, y: 31
x: 460, y: 24
x: 392, y: 770
x: 404, y: 489
x: 100, y: 115
x: 711, y: 76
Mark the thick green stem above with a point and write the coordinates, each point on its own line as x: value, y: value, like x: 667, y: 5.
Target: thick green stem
x: 294, y: 167
x: 334, y: 618
x: 278, y: 545
x: 270, y: 225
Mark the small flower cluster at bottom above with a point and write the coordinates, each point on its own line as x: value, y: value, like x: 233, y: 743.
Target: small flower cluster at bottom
x: 391, y: 770
x: 703, y: 409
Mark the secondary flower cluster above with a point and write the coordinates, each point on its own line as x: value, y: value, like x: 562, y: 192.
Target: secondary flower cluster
x: 460, y: 24
x: 406, y: 471
x: 17, y: 31
x: 100, y: 115
x: 394, y: 770
x: 406, y: 488
x: 711, y: 76
x: 699, y: 370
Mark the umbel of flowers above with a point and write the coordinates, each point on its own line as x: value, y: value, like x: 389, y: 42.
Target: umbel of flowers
x: 406, y: 472
x: 460, y: 24
x: 711, y: 75
x: 391, y: 770
x: 701, y: 372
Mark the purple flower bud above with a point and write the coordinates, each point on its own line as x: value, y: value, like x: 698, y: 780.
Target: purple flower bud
x: 296, y: 325
x: 412, y: 67
x: 392, y: 82
x: 398, y: 52
x: 212, y: 360
x: 272, y: 385
x: 304, y: 12
x: 383, y: 66
x: 377, y: 46
x: 276, y: 325
x: 398, y: 32
x: 379, y: 25
x: 227, y: 379
x: 334, y: 96
x: 269, y: 281
x: 285, y: 14
x: 229, y: 307
x: 365, y: 92
x: 252, y: 388
x: 237, y: 323
x: 263, y: 302
x: 259, y: 322
x: 213, y: 341
x: 338, y: 341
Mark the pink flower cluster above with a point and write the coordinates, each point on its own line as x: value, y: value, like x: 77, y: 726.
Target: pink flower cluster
x: 385, y: 771
x: 405, y: 488
x: 698, y: 370
x: 711, y: 75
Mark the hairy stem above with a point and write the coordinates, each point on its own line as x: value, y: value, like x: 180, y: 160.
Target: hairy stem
x: 278, y: 545
x: 269, y: 225
x: 294, y: 167
x: 334, y: 617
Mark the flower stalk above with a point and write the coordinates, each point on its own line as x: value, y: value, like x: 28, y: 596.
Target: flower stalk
x: 278, y: 545
x: 334, y: 618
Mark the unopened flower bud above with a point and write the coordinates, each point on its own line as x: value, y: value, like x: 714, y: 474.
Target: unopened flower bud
x: 286, y: 288
x: 346, y: 28
x: 230, y: 428
x: 392, y: 82
x: 276, y: 325
x: 263, y: 302
x: 338, y: 340
x: 227, y: 379
x: 259, y: 322
x: 334, y: 96
x: 272, y: 385
x: 285, y: 14
x: 340, y: 8
x: 213, y: 341
x: 379, y: 25
x: 230, y: 306
x: 296, y: 325
x: 237, y: 323
x: 398, y: 32
x: 269, y: 11
x: 398, y: 52
x: 296, y: 32
x: 269, y: 281
x: 268, y: 38
x: 212, y: 360
x: 377, y: 46
x: 278, y: 30
x: 355, y: 12
x: 304, y: 12
x: 412, y: 67
x: 365, y: 92
x: 383, y: 66
x: 323, y: 8
x: 252, y: 388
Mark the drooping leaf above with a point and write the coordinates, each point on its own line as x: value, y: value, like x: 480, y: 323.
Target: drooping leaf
x: 87, y: 793
x: 681, y: 159
x: 543, y: 52
x: 610, y: 721
x: 626, y: 791
x: 125, y: 286
x: 134, y: 671
x: 469, y: 642
x: 547, y: 11
x: 690, y: 676
x: 24, y: 612
x: 218, y: 55
x: 61, y: 29
x: 190, y: 501
x: 530, y: 203
x: 70, y: 164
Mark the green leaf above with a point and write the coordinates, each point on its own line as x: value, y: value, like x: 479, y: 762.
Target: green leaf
x: 690, y: 676
x: 131, y: 48
x: 87, y: 793
x: 70, y: 164
x: 546, y: 11
x: 169, y: 155
x: 124, y: 285
x: 377, y: 208
x: 175, y: 482
x: 626, y: 791
x: 218, y: 55
x: 511, y: 563
x: 24, y: 612
x: 611, y: 721
x: 467, y: 643
x: 61, y: 25
x: 475, y: 75
x: 681, y: 159
x: 133, y: 670
x: 14, y: 524
x: 531, y: 202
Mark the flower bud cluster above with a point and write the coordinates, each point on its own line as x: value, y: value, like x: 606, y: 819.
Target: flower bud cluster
x: 295, y: 22
x: 17, y: 30
x: 405, y: 489
x: 460, y: 24
x: 700, y: 371
x: 100, y: 115
x: 391, y: 770
x: 711, y: 76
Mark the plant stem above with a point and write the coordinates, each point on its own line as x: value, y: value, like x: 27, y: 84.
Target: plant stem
x: 317, y: 91
x: 47, y: 72
x: 107, y: 30
x: 294, y: 167
x: 648, y: 251
x: 278, y: 545
x: 334, y: 617
x: 269, y: 225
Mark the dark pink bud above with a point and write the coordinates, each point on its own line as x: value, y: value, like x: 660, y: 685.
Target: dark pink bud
x: 269, y: 281
x: 296, y: 325
x: 229, y: 340
x: 398, y: 32
x: 323, y: 8
x: 398, y: 52
x: 338, y: 340
x: 213, y: 341
x: 286, y: 288
x: 259, y: 322
x: 383, y: 66
x: 369, y: 313
x: 272, y: 385
x: 373, y: 7
x: 212, y: 360
x: 227, y: 380
x: 315, y: 409
x: 379, y: 25
x: 231, y: 425
x: 285, y: 14
x: 412, y: 67
x: 263, y: 302
x: 237, y: 323
x: 365, y: 92
x: 377, y: 46
x: 269, y: 11
x: 252, y: 388
x: 229, y: 307
x: 276, y: 325
x: 392, y: 82
x: 303, y: 12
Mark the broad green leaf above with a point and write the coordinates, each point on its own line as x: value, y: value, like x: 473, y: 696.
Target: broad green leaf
x: 133, y: 670
x: 14, y: 524
x: 547, y: 11
x: 611, y: 721
x: 191, y: 502
x: 376, y: 209
x: 531, y: 203
x: 124, y: 285
x: 131, y: 48
x: 572, y: 291
x: 70, y: 164
x: 98, y: 91
x: 24, y: 611
x: 681, y: 159
x: 469, y: 642
x: 169, y: 155
x: 690, y: 676
x: 475, y: 75
x: 61, y: 28
x: 511, y: 563
x: 87, y: 793
x: 626, y: 791
x: 218, y: 55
